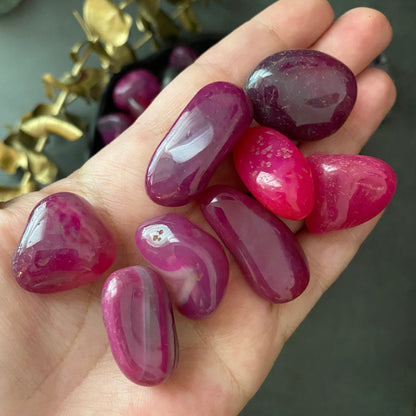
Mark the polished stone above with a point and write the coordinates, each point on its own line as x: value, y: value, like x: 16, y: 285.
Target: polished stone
x: 65, y: 245
x: 139, y: 321
x: 192, y: 263
x: 112, y: 125
x: 349, y: 190
x: 304, y: 94
x: 205, y: 132
x: 267, y: 252
x: 182, y: 56
x: 275, y: 172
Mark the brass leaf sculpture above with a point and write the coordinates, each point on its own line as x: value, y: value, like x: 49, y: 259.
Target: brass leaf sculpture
x: 107, y: 28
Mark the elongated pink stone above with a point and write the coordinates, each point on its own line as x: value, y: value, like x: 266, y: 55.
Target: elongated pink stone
x: 304, y: 94
x: 275, y: 172
x: 266, y: 251
x: 112, y: 125
x: 201, y: 137
x: 139, y: 321
x: 192, y: 263
x: 65, y: 245
x: 349, y: 190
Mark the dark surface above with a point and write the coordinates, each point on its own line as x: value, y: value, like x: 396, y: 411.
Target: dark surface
x: 355, y: 353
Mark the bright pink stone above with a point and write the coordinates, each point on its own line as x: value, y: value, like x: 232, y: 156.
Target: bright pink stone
x: 182, y: 56
x: 192, y: 263
x: 112, y: 125
x: 349, y: 190
x: 135, y: 91
x: 275, y: 172
x: 304, y: 94
x: 205, y: 132
x: 139, y: 321
x: 267, y: 252
x: 64, y: 245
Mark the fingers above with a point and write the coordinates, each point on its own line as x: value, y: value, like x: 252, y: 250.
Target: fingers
x: 328, y: 255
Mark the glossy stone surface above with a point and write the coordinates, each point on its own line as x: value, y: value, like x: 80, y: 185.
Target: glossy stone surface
x: 304, y: 94
x: 264, y: 248
x: 135, y: 91
x: 65, y: 245
x: 349, y: 190
x: 112, y: 125
x: 198, y: 141
x: 139, y: 321
x: 182, y: 56
x: 275, y: 172
x: 192, y: 263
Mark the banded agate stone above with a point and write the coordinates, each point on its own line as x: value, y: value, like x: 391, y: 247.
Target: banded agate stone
x: 64, y: 245
x: 264, y: 248
x: 198, y: 141
x: 139, y: 321
x: 304, y: 94
x: 192, y: 263
x: 349, y: 190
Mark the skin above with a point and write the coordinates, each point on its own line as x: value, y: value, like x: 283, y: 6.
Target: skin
x: 54, y: 353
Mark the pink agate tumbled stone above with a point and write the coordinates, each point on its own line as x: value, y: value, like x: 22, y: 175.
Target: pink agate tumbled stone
x: 275, y: 172
x: 64, y: 245
x: 201, y: 137
x: 135, y: 91
x: 349, y: 190
x: 192, y: 263
x: 112, y: 125
x: 139, y: 321
x: 266, y: 251
x: 304, y: 94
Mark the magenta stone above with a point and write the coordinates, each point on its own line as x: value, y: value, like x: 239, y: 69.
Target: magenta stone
x: 349, y: 190
x: 266, y: 251
x: 64, y: 245
x: 275, y: 172
x: 192, y: 263
x: 139, y: 321
x: 112, y: 125
x: 136, y: 90
x: 201, y: 137
x: 304, y: 94
x: 182, y: 56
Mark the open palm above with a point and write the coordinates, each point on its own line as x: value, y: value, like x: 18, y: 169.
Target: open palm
x: 54, y: 353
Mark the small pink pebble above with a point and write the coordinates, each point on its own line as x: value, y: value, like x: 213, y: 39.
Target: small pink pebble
x: 65, y: 245
x: 349, y: 190
x: 275, y: 172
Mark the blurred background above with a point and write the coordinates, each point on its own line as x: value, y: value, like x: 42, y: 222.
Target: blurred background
x: 355, y: 354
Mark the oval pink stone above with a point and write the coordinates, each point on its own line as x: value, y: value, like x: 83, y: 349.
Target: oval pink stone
x: 65, y: 245
x: 267, y: 252
x: 192, y: 263
x: 275, y: 172
x: 139, y: 321
x: 349, y: 190
x: 205, y: 132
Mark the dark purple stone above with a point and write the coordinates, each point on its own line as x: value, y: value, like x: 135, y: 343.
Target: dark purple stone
x: 65, y: 245
x: 139, y: 321
x: 192, y: 263
x: 304, y: 94
x: 201, y: 137
x: 182, y: 56
x: 266, y: 251
x: 112, y: 125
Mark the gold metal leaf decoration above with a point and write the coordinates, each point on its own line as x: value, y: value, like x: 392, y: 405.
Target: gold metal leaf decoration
x: 107, y: 29
x: 44, y: 125
x: 107, y: 21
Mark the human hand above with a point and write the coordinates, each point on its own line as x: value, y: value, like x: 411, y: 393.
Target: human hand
x: 54, y: 353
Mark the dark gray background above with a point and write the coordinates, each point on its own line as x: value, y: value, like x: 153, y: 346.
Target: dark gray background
x: 355, y: 353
